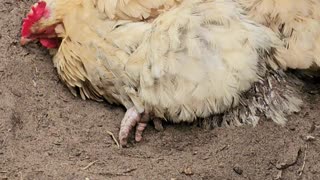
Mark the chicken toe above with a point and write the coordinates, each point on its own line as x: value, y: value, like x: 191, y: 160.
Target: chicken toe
x: 132, y: 118
x: 139, y: 130
x: 158, y: 124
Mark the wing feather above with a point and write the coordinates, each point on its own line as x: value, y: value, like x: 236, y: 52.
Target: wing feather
x: 133, y: 9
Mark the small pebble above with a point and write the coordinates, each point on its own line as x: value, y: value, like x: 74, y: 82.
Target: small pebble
x: 187, y: 171
x: 280, y: 165
x: 237, y: 170
x: 16, y: 93
x: 310, y: 138
x: 221, y: 165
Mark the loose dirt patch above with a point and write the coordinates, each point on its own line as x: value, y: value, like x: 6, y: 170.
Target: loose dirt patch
x: 46, y: 133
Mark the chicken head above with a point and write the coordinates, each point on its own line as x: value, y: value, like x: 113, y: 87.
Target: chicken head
x: 33, y: 27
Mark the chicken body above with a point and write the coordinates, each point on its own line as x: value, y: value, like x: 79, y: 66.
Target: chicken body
x: 193, y: 60
x: 135, y: 10
x: 297, y: 23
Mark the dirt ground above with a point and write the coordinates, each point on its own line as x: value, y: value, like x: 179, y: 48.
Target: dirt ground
x: 46, y: 133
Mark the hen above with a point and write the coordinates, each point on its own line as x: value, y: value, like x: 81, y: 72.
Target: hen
x: 297, y: 23
x: 166, y: 59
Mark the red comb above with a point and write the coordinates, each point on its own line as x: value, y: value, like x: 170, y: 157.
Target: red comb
x: 37, y: 12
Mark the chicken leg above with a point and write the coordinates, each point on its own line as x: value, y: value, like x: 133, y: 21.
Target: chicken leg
x: 132, y: 118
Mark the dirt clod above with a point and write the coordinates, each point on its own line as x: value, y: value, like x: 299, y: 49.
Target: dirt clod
x: 187, y: 171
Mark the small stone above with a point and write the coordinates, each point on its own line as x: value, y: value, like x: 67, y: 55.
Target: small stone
x: 281, y: 165
x: 310, y: 138
x: 187, y: 171
x: 77, y: 154
x: 206, y: 158
x: 16, y: 93
x: 292, y: 127
x: 237, y: 170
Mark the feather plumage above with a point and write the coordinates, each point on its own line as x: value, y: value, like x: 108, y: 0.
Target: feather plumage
x: 194, y: 59
x: 133, y: 9
x: 297, y: 23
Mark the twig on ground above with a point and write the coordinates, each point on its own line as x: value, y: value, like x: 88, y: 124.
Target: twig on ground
x: 300, y: 171
x: 114, y: 139
x: 129, y: 170
x: 89, y: 165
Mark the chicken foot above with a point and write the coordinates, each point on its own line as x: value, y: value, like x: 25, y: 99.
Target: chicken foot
x: 132, y: 118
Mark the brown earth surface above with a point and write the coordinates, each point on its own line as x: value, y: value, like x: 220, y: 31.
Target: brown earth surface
x: 46, y: 133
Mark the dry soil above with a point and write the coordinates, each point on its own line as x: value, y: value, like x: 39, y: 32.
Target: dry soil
x: 46, y: 133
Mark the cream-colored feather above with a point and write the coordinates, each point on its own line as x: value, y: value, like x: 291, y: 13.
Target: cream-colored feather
x: 133, y: 9
x: 298, y: 24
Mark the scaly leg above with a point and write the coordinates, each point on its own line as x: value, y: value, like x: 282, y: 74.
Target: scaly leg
x: 132, y: 119
x: 158, y: 124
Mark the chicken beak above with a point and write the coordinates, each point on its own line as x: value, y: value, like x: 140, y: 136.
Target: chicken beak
x: 24, y: 41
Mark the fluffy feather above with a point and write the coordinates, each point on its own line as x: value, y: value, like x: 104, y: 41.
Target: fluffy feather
x: 133, y: 9
x: 298, y: 24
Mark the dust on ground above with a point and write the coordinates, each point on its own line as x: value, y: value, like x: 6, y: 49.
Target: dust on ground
x: 46, y: 133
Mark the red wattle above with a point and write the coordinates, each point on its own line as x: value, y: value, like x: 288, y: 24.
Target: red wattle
x: 50, y: 43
